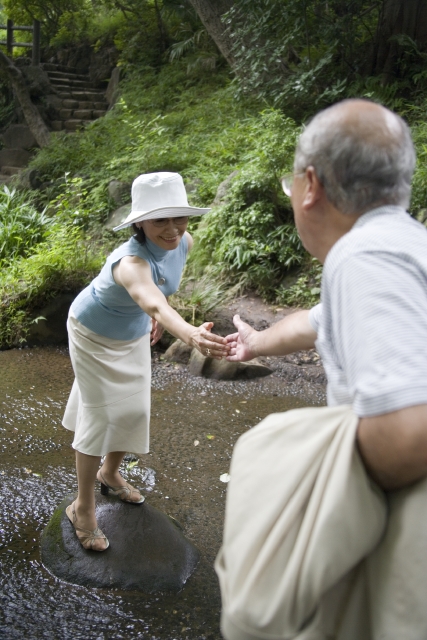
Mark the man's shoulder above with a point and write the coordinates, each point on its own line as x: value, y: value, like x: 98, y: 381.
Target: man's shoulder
x: 385, y: 231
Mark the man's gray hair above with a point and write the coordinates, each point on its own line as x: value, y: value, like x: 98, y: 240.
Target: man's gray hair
x: 361, y: 163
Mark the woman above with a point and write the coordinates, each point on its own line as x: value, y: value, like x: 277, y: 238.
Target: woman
x: 109, y: 329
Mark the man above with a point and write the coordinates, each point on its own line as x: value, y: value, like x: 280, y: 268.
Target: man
x: 349, y: 191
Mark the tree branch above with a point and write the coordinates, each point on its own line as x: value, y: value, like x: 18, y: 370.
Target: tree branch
x: 33, y: 118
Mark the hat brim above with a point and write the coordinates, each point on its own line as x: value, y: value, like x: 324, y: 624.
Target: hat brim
x: 164, y: 212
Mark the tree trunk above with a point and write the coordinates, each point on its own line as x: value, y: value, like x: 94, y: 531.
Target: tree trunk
x: 210, y: 12
x: 398, y: 17
x: 33, y: 118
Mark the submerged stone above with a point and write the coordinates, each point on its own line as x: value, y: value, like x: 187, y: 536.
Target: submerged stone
x: 148, y: 551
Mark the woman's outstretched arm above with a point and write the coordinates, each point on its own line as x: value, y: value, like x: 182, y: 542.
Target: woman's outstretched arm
x: 134, y: 274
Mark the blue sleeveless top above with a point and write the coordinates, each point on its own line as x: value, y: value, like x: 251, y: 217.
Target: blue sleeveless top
x: 107, y: 308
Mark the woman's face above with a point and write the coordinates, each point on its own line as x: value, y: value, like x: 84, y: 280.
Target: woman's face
x: 168, y: 236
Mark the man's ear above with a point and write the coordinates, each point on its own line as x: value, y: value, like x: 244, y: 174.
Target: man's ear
x: 313, y: 189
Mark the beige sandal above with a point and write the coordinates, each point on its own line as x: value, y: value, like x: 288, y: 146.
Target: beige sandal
x: 91, y: 536
x: 124, y: 492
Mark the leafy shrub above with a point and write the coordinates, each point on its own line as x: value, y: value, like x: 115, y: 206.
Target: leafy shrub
x: 21, y: 225
x: 65, y: 261
x: 197, y: 296
x: 305, y: 292
x: 252, y: 233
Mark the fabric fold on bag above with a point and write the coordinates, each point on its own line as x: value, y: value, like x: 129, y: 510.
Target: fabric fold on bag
x: 301, y: 513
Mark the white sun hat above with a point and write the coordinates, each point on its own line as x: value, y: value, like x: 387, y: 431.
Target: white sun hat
x: 159, y: 195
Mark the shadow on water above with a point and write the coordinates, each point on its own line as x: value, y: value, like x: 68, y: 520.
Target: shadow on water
x: 195, y: 424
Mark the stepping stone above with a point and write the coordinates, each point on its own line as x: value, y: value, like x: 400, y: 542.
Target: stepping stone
x: 148, y: 551
x: 199, y: 365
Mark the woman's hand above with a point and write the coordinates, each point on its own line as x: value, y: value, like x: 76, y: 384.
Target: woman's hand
x: 208, y: 343
x: 156, y: 331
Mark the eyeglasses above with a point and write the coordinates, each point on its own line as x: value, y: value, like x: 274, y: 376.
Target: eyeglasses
x: 163, y: 222
x: 287, y: 182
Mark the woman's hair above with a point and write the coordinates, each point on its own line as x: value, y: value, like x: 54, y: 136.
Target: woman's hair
x: 139, y: 234
x: 361, y: 164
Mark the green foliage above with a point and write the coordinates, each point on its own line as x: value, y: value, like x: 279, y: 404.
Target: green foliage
x: 55, y: 16
x: 251, y: 234
x: 305, y: 53
x: 168, y: 121
x: 21, y: 225
x: 303, y: 56
x: 198, y: 296
x: 164, y: 121
x: 81, y: 202
x: 305, y: 292
x: 65, y: 261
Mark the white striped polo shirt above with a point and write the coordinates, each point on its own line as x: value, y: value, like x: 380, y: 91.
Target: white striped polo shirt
x: 372, y: 320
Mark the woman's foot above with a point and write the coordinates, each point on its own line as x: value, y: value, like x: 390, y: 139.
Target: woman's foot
x: 89, y: 538
x: 119, y: 487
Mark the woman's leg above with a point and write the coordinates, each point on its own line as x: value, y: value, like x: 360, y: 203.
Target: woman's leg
x: 110, y: 472
x: 84, y: 505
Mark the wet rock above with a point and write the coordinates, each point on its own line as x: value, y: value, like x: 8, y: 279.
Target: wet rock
x: 148, y: 551
x: 178, y: 352
x: 118, y: 216
x: 199, y: 365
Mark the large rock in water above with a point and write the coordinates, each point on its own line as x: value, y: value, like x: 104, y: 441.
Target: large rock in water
x: 199, y: 365
x: 148, y: 551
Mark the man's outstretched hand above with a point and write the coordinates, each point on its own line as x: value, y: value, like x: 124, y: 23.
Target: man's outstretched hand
x: 241, y: 343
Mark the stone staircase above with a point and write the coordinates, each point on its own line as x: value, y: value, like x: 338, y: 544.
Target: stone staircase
x: 75, y: 103
x: 77, y: 100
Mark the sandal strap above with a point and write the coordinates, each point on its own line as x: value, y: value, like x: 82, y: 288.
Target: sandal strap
x: 90, y: 536
x: 120, y: 491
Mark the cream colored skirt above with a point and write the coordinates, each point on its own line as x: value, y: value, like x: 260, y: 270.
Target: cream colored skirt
x: 109, y: 404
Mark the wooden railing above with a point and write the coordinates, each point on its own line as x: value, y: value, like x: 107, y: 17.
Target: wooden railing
x: 10, y: 42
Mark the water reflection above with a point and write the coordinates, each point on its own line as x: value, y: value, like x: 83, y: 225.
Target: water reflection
x: 195, y: 424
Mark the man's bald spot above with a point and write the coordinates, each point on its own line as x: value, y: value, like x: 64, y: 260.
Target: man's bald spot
x: 364, y: 119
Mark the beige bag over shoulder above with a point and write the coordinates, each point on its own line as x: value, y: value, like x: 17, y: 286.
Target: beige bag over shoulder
x: 301, y: 513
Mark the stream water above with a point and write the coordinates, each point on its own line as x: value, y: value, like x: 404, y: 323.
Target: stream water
x: 195, y: 423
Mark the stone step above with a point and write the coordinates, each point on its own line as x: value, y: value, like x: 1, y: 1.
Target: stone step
x: 11, y: 171
x: 63, y: 74
x: 69, y: 83
x: 73, y: 124
x: 80, y: 114
x: 56, y: 125
x: 82, y: 96
x: 50, y: 66
x: 86, y: 104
